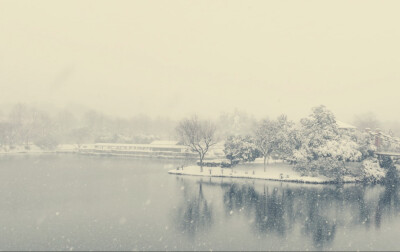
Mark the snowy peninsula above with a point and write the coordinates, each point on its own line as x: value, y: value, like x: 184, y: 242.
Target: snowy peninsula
x: 280, y: 171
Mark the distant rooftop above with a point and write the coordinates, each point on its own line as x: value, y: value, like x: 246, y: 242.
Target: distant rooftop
x: 342, y: 125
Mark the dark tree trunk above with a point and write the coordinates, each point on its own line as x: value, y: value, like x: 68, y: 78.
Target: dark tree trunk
x: 201, y: 162
x: 265, y: 158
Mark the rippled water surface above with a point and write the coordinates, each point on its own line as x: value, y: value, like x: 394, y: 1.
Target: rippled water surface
x: 71, y: 202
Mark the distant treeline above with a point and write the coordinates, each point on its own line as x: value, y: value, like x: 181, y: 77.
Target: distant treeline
x: 25, y: 125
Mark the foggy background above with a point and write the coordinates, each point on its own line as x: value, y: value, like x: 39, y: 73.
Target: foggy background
x: 140, y: 63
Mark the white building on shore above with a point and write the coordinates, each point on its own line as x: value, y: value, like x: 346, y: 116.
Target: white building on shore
x: 156, y: 149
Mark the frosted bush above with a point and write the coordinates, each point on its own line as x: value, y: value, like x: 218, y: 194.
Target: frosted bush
x: 372, y: 172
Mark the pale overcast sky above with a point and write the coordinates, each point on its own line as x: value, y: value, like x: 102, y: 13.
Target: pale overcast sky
x: 179, y: 57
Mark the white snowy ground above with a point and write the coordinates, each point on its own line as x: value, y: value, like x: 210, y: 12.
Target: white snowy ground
x: 277, y: 171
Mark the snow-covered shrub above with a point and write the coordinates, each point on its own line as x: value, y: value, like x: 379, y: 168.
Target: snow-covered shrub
x: 240, y: 148
x: 326, y: 166
x: 366, y: 144
x: 364, y: 140
x: 218, y: 163
x: 343, y: 149
x: 371, y: 171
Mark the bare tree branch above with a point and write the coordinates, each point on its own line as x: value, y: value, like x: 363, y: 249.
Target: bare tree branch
x: 198, y: 135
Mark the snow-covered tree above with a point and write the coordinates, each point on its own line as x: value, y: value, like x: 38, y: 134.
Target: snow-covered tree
x: 342, y: 149
x: 364, y: 140
x: 372, y: 171
x: 285, y: 138
x: 240, y: 148
x: 249, y: 151
x: 232, y: 148
x: 323, y: 149
x: 266, y: 138
x: 198, y: 135
x: 319, y: 127
x: 275, y: 136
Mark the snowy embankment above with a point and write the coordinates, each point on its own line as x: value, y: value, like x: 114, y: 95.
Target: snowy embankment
x: 276, y: 171
x: 21, y: 149
x: 33, y: 149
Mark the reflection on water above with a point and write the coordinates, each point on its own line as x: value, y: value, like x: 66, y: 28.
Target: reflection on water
x: 388, y: 203
x: 316, y: 213
x: 194, y: 214
x: 63, y: 202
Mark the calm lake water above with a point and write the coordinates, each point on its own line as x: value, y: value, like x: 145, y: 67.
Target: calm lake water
x: 72, y: 202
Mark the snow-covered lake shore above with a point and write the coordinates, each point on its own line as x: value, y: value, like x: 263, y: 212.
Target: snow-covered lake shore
x: 33, y: 149
x: 276, y: 171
